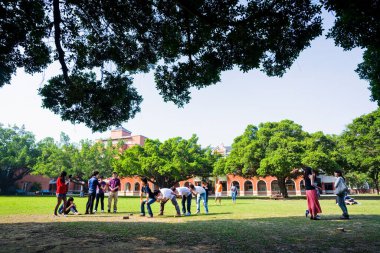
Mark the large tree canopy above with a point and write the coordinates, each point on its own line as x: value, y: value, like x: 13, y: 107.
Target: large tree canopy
x: 100, y: 44
x: 361, y: 141
x: 166, y: 163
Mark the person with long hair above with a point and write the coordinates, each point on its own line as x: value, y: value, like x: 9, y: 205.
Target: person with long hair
x: 340, y: 196
x: 311, y: 194
x: 61, y: 191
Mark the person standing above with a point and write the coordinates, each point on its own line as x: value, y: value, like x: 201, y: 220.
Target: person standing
x: 311, y: 194
x: 218, y: 193
x: 93, y: 184
x: 61, y: 191
x: 201, y: 194
x: 100, y: 194
x: 169, y: 194
x: 186, y: 199
x: 150, y: 198
x: 205, y: 186
x: 234, y: 192
x: 340, y: 191
x: 114, y: 186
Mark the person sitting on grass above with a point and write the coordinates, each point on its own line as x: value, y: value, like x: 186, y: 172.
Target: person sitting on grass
x: 69, y: 207
x: 201, y: 194
x: 168, y: 194
x: 150, y: 198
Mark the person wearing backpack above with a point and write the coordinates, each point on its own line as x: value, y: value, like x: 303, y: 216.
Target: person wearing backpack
x: 340, y: 191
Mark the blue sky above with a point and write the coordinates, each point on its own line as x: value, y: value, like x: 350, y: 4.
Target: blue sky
x: 321, y: 92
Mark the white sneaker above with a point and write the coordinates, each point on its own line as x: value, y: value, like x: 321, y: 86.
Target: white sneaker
x: 102, y: 211
x: 95, y: 211
x: 198, y: 212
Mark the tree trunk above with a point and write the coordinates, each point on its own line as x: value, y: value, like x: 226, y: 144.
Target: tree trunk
x: 281, y: 184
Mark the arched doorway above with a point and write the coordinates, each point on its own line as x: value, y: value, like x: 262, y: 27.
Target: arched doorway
x: 302, y: 187
x: 137, y: 187
x: 127, y: 187
x: 248, y: 188
x: 290, y: 187
x: 274, y: 187
x: 261, y: 188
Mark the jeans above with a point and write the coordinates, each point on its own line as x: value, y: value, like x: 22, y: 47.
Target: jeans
x: 73, y: 209
x: 101, y: 197
x: 203, y: 197
x: 188, y: 200
x: 233, y: 195
x: 342, y: 204
x: 174, y: 202
x: 90, y: 202
x: 148, y: 203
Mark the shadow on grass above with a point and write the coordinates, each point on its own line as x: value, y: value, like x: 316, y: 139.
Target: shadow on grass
x: 285, y: 234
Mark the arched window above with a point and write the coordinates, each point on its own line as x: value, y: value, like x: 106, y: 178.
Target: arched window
x: 290, y: 185
x: 248, y: 186
x: 274, y: 186
x: 137, y: 187
x: 261, y: 187
x: 127, y: 187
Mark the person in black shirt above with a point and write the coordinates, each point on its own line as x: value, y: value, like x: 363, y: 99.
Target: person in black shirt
x: 311, y: 193
x: 150, y: 197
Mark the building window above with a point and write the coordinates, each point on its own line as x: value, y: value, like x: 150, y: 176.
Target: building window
x: 329, y: 186
x: 290, y: 185
x: 274, y: 186
x: 248, y: 186
x: 137, y: 187
x: 262, y: 186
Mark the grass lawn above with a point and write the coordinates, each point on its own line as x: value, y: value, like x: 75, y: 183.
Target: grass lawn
x: 252, y: 225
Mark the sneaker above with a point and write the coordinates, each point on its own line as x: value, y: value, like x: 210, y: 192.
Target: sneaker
x: 187, y: 214
x: 178, y: 215
x: 142, y: 214
x: 307, y: 213
x: 109, y: 210
x: 86, y: 213
x: 206, y: 212
x: 198, y: 212
x: 95, y: 211
x: 160, y: 214
x: 150, y: 216
x: 114, y: 211
x: 344, y: 217
x: 102, y: 211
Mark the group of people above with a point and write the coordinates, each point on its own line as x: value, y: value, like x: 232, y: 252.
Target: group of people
x: 312, y: 193
x: 96, y: 189
x: 163, y: 195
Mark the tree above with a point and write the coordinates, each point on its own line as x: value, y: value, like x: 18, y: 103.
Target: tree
x: 245, y: 155
x: 358, y: 25
x: 361, y: 142
x: 283, y: 145
x: 101, y: 44
x: 166, y: 163
x: 18, y: 153
x: 321, y: 152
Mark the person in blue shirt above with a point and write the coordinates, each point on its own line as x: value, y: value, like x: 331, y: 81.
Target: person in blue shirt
x: 93, y: 184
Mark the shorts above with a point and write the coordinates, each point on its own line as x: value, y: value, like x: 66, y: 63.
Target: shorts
x: 218, y: 194
x: 61, y: 195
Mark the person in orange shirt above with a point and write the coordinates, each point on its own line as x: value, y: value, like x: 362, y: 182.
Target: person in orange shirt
x: 218, y: 193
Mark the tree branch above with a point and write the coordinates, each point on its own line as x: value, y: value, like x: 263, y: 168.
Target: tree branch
x: 57, y: 40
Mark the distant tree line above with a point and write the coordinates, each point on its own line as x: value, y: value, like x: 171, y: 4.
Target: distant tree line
x: 269, y: 149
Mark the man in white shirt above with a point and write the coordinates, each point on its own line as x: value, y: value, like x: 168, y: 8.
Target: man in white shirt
x: 186, y: 195
x: 201, y: 194
x: 168, y: 194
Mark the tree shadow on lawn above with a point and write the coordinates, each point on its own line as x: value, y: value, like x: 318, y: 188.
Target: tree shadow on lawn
x: 285, y: 234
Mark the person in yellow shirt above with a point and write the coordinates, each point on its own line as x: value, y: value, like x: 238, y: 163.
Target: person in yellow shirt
x: 218, y: 193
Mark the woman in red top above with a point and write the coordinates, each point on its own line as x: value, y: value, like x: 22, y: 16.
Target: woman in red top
x: 61, y: 191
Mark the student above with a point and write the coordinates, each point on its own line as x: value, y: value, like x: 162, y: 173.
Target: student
x: 201, y: 194
x: 61, y: 191
x: 205, y: 186
x: 234, y: 192
x: 93, y: 184
x: 70, y: 206
x: 340, y: 191
x: 218, y: 193
x: 186, y: 196
x: 311, y: 194
x: 100, y: 194
x: 150, y: 198
x: 114, y: 186
x: 168, y: 194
